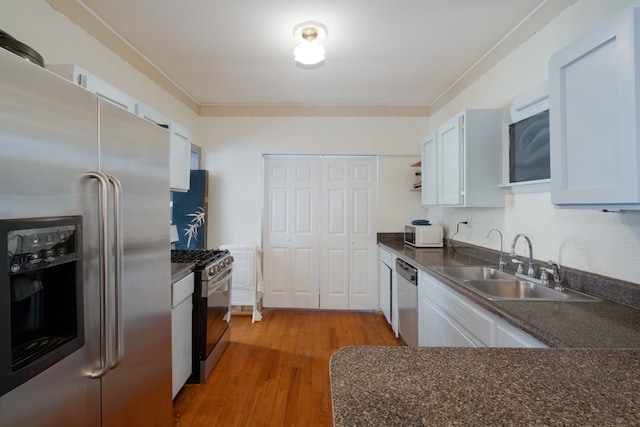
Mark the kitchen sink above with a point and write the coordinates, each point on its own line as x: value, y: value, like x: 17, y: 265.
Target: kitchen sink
x: 473, y: 273
x: 493, y: 284
x: 522, y: 290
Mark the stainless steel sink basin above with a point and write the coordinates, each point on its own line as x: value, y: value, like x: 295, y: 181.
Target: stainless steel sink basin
x: 498, y: 285
x: 513, y: 289
x: 522, y: 290
x: 473, y: 273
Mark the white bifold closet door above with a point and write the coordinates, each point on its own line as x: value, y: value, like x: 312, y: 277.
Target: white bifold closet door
x: 319, y: 232
x: 291, y: 233
x: 348, y: 252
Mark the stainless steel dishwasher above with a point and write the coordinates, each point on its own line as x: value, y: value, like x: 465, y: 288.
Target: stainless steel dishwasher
x: 407, y: 279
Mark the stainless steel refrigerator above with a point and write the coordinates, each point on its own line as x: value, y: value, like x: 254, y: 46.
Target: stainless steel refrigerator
x: 62, y: 154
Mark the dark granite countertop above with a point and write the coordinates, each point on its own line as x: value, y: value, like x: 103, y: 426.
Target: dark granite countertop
x: 603, y: 324
x: 180, y: 269
x: 590, y: 378
x: 410, y: 386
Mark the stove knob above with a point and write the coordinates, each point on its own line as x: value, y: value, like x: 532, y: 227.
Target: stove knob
x: 211, y: 271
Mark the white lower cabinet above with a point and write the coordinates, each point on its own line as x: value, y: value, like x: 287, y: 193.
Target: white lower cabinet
x: 448, y: 319
x: 510, y: 336
x: 181, y: 329
x: 386, y: 273
x: 440, y: 330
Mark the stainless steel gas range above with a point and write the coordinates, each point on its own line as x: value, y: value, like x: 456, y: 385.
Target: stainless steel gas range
x: 211, y: 306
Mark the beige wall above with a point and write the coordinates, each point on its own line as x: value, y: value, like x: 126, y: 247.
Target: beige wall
x: 234, y: 147
x: 602, y: 243
x: 59, y: 41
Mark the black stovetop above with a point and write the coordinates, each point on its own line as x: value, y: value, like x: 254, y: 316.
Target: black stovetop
x: 201, y: 257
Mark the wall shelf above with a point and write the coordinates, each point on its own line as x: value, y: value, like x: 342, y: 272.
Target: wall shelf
x: 417, y: 164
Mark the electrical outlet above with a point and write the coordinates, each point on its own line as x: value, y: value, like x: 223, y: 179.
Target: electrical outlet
x: 469, y: 223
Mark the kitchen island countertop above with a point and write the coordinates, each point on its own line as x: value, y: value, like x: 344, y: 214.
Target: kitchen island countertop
x: 387, y: 386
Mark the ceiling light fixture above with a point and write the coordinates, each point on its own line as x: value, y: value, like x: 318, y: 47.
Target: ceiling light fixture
x: 309, y: 51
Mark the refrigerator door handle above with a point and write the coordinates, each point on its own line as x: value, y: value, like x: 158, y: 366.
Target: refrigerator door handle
x: 119, y: 251
x: 103, y: 186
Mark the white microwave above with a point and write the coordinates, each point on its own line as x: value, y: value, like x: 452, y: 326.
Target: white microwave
x: 423, y: 236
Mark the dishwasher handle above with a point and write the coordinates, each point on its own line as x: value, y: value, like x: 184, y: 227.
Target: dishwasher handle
x: 407, y: 271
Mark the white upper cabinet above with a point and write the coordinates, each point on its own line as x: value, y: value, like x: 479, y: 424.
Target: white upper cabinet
x: 180, y: 138
x: 151, y: 115
x: 429, y: 171
x: 451, y: 162
x: 96, y: 85
x: 180, y: 157
x: 594, y: 117
x: 462, y: 161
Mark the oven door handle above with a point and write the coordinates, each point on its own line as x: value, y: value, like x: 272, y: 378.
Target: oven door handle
x: 103, y: 252
x: 117, y: 261
x: 220, y: 281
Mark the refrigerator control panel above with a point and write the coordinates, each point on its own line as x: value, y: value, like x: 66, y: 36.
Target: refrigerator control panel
x: 35, y: 248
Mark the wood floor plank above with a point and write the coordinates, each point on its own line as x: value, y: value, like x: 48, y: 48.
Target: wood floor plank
x: 276, y: 372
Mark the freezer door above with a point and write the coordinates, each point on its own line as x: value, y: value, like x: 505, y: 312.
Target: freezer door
x: 138, y: 391
x: 48, y: 140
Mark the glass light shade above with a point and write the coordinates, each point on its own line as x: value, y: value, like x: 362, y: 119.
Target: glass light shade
x: 309, y: 53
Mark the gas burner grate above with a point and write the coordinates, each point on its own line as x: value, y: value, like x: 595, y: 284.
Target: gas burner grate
x: 200, y: 257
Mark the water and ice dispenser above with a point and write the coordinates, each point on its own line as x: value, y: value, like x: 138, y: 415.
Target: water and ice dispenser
x: 41, y: 298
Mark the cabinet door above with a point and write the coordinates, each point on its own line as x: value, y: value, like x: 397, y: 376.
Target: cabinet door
x: 179, y: 158
x: 450, y: 162
x: 95, y: 84
x: 445, y: 320
x: 510, y: 336
x: 593, y: 116
x: 429, y: 171
x: 150, y: 114
x: 439, y: 331
x: 107, y: 92
x: 181, y: 327
x: 394, y: 298
x: 385, y: 291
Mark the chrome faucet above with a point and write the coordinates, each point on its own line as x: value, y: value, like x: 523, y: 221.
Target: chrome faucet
x: 501, y: 261
x: 554, y: 271
x: 531, y: 270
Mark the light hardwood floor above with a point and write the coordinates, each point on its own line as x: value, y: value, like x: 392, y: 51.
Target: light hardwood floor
x: 276, y: 372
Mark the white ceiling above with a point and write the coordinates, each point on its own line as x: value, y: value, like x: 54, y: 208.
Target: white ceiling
x: 379, y: 52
